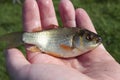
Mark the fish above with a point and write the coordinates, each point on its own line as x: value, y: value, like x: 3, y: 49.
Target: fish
x: 59, y: 42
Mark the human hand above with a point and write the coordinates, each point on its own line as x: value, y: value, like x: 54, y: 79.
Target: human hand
x: 95, y: 65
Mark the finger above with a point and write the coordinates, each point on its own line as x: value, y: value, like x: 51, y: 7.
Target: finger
x: 58, y: 73
x: 31, y: 21
x: 15, y: 61
x: 47, y: 13
x: 96, y: 55
x: 31, y: 17
x: 83, y: 20
x: 67, y: 13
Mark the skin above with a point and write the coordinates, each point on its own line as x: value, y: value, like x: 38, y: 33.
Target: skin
x: 95, y: 65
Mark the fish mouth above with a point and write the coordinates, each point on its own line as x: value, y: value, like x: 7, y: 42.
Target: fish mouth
x: 99, y: 40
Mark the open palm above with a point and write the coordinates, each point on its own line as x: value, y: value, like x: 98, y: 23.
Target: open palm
x: 95, y: 65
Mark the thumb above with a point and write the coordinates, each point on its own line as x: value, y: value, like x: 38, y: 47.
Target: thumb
x: 15, y: 60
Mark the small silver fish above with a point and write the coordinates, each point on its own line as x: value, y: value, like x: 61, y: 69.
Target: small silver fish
x: 59, y: 42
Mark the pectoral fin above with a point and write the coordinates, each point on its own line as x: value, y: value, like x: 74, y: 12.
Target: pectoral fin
x: 65, y: 47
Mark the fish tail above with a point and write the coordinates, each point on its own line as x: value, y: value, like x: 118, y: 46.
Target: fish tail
x: 12, y: 39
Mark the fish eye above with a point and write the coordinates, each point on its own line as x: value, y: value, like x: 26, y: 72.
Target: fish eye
x: 89, y: 37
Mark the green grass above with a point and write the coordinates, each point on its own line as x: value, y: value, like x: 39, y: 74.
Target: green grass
x: 105, y: 15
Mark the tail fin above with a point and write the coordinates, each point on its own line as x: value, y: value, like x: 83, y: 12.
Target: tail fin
x: 12, y: 39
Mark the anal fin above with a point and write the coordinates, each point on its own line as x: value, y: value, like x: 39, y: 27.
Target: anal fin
x: 33, y: 49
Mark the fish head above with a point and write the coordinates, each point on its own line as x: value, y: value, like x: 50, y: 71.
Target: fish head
x: 86, y: 40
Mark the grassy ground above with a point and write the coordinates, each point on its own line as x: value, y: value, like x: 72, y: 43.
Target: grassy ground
x: 105, y: 15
